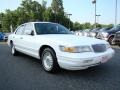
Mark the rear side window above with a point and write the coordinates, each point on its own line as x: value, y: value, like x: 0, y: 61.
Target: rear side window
x: 20, y: 30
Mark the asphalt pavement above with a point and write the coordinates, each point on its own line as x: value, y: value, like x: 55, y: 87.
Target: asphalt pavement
x: 23, y: 72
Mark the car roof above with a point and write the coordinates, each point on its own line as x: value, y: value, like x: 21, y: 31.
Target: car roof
x: 38, y: 22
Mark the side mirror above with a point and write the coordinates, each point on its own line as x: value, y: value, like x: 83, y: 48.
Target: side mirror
x: 29, y: 32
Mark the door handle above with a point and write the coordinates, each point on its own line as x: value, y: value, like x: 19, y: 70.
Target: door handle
x: 21, y: 37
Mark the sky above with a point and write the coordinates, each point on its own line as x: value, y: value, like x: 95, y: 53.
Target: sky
x: 82, y: 10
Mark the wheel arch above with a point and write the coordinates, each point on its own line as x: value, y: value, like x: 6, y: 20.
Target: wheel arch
x: 11, y: 42
x: 43, y: 47
x: 111, y: 38
x: 112, y: 35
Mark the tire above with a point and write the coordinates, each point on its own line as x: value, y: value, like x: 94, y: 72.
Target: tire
x: 5, y: 40
x: 13, y: 50
x: 49, y: 60
x: 111, y: 40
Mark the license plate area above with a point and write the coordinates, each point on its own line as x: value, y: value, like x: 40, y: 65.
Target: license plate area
x: 87, y: 61
x: 104, y: 59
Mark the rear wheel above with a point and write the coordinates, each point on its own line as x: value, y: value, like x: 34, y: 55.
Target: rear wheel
x: 13, y: 50
x: 49, y: 60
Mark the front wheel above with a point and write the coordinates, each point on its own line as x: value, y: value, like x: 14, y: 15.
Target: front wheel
x: 49, y: 60
x: 111, y: 40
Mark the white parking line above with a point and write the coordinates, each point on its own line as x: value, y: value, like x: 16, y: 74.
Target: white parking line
x: 114, y: 46
x: 3, y: 42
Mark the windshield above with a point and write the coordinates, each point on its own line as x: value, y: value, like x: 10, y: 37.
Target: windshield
x: 95, y: 30
x: 115, y: 29
x: 105, y: 29
x: 50, y: 28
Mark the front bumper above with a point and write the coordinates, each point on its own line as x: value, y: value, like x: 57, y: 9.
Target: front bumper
x: 103, y: 38
x: 84, y: 61
x: 117, y: 41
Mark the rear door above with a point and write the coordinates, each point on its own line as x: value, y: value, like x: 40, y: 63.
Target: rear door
x: 17, y: 38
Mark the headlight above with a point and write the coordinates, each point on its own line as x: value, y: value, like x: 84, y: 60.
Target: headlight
x: 104, y: 34
x: 77, y: 49
x: 108, y: 46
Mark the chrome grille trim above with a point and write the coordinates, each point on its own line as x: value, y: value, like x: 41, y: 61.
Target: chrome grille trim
x: 98, y: 48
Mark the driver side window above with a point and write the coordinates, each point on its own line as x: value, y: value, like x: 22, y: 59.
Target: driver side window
x: 28, y: 27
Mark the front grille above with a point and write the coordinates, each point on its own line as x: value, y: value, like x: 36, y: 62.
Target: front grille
x: 96, y: 33
x: 99, y: 48
x: 117, y: 35
x: 99, y: 36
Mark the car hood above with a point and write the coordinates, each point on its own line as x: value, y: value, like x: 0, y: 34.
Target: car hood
x: 70, y: 39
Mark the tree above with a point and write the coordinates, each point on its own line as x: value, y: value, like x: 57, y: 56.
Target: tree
x: 48, y: 15
x: 87, y: 25
x: 33, y: 10
x: 98, y: 25
x: 110, y: 25
x: 57, y: 6
x: 76, y: 26
x: 1, y: 19
x: 8, y: 20
x: 30, y: 10
x: 44, y: 3
x: 58, y: 10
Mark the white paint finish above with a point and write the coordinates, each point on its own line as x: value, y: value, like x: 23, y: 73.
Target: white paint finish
x: 31, y: 45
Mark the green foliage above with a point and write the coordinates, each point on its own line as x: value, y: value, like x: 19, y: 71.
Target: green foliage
x: 44, y: 3
x: 78, y: 26
x: 48, y: 15
x: 30, y: 10
x: 57, y: 6
x: 1, y: 19
x: 110, y: 25
x: 87, y: 25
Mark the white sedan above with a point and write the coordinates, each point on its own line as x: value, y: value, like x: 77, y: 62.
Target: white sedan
x: 57, y: 47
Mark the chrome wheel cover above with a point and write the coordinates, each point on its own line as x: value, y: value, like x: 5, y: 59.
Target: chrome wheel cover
x: 13, y: 49
x: 47, y: 61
